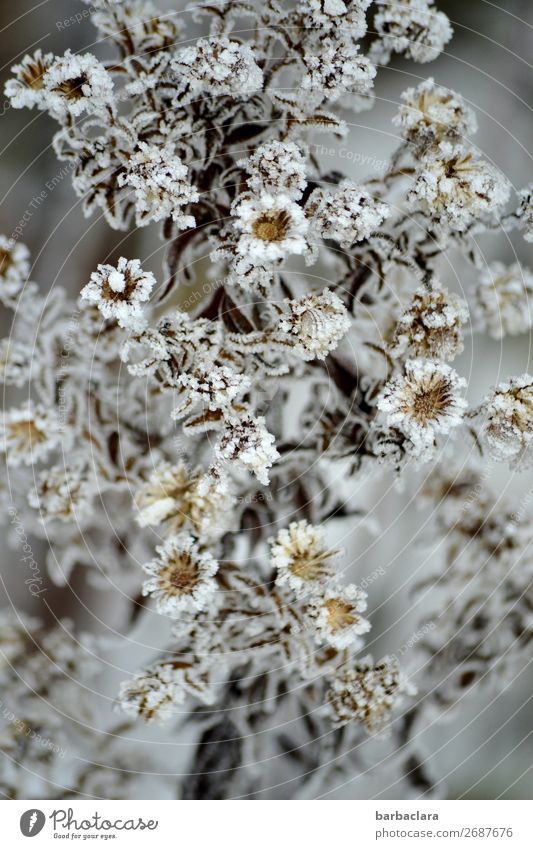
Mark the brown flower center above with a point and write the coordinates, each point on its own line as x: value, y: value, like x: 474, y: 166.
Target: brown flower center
x: 32, y: 76
x: 179, y: 576
x: 340, y: 614
x: 26, y: 432
x: 430, y: 401
x: 73, y: 88
x: 111, y: 294
x: 272, y: 226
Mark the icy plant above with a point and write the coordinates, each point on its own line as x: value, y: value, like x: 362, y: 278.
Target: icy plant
x: 194, y: 439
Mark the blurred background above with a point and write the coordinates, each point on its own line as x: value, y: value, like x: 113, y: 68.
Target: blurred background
x: 488, y: 751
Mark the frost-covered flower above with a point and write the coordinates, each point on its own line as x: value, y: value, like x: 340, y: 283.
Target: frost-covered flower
x: 161, y: 185
x: 316, y: 323
x: 214, y: 387
x: 182, y: 577
x: 119, y: 292
x: 412, y: 27
x: 77, y: 83
x: 155, y: 693
x: 15, y: 362
x: 337, y: 69
x: 431, y: 114
x: 367, y: 693
x: 26, y: 88
x: 504, y: 299
x: 301, y: 557
x: 508, y: 420
x: 276, y: 167
x: 62, y: 492
x: 423, y: 403
x: 456, y: 189
x: 329, y: 17
x: 246, y: 441
x: 14, y: 268
x: 336, y: 616
x: 432, y: 325
x: 29, y: 433
x: 525, y: 212
x: 176, y: 498
x: 347, y: 215
x: 270, y: 227
x: 219, y: 66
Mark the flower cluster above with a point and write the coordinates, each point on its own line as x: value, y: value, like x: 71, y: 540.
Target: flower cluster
x: 218, y: 423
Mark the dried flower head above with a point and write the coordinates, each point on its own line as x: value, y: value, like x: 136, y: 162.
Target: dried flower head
x: 270, y: 228
x: 29, y: 433
x: 119, y: 292
x: 336, y: 616
x: 412, y: 27
x: 178, y: 499
x: 276, y: 167
x: 219, y: 66
x: 329, y: 17
x: 316, y: 324
x: 367, y: 693
x: 62, y: 492
x: 161, y: 186
x: 508, y: 420
x: 26, y: 88
x: 504, y: 299
x: 423, y: 403
x: 339, y: 68
x: 301, y: 558
x: 77, y: 83
x: 431, y: 114
x: 182, y: 577
x: 247, y: 442
x: 457, y: 189
x: 431, y: 326
x: 347, y: 215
